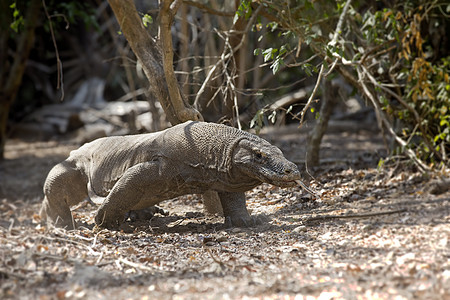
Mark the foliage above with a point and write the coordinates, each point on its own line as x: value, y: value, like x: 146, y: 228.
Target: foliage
x: 408, y: 60
x: 147, y: 20
x: 17, y: 17
x: 394, y: 55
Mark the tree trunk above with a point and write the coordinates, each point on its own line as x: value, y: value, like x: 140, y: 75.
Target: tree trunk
x: 157, y: 67
x: 11, y: 78
x: 4, y: 112
x: 316, y: 134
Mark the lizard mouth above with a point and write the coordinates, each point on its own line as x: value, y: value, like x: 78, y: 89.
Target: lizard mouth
x: 280, y: 183
x: 286, y: 179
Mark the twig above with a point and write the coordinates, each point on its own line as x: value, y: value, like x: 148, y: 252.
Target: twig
x: 321, y: 74
x: 94, y: 242
x: 92, y: 251
x: 60, y: 81
x: 230, y: 82
x: 383, y: 120
x: 13, y: 274
x: 57, y: 257
x: 134, y: 265
x: 351, y: 216
x: 216, y: 260
x: 224, y: 57
x: 407, y: 106
x: 311, y: 97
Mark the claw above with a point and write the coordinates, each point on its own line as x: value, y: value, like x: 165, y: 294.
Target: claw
x: 228, y: 223
x: 145, y: 214
x: 251, y: 221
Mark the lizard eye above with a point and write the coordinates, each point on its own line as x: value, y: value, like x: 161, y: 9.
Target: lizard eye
x: 259, y: 155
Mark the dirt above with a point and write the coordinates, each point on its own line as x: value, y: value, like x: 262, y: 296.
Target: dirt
x: 374, y: 232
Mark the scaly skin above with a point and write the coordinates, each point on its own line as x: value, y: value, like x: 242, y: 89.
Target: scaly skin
x: 134, y: 172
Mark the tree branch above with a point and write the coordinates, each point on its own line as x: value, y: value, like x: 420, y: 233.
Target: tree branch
x: 319, y: 77
x: 148, y: 53
x: 208, y: 9
x: 167, y: 13
x: 383, y: 120
x: 224, y: 57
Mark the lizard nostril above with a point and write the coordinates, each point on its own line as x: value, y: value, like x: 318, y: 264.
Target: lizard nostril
x: 287, y: 171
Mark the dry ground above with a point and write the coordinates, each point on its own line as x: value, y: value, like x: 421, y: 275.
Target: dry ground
x: 373, y: 233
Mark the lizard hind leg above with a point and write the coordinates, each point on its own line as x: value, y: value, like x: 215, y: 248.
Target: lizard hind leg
x: 65, y: 186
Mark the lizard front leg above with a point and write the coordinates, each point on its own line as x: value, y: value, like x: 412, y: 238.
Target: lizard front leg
x: 235, y: 210
x: 65, y: 186
x: 128, y: 192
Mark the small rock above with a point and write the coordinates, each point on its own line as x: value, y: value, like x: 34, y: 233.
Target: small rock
x: 301, y: 228
x: 354, y: 197
x: 440, y: 186
x: 236, y: 230
x: 368, y: 227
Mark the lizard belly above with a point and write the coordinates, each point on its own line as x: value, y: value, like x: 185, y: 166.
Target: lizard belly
x: 172, y: 189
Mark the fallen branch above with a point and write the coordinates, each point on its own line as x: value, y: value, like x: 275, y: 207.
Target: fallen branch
x: 289, y: 99
x: 133, y: 265
x: 353, y: 216
x: 13, y: 274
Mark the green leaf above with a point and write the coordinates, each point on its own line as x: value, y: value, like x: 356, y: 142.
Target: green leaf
x: 244, y: 10
x: 235, y: 18
x: 268, y: 53
x: 273, y: 26
x: 307, y: 68
x: 277, y: 65
x: 257, y: 120
x: 146, y: 20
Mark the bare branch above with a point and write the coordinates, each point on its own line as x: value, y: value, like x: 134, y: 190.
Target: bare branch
x: 407, y: 106
x: 60, y: 81
x: 167, y: 13
x: 383, y: 120
x: 319, y: 77
x: 226, y: 56
x: 208, y: 9
x: 161, y: 77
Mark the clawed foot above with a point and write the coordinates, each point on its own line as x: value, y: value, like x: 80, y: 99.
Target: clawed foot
x: 104, y: 220
x: 247, y: 221
x: 111, y: 221
x: 145, y: 214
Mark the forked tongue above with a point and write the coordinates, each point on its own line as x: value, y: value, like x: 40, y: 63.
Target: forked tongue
x: 300, y: 183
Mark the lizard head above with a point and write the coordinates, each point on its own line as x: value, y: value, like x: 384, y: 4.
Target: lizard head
x: 260, y: 160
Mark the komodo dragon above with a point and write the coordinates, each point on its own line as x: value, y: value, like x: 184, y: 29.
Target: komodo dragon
x: 134, y: 172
